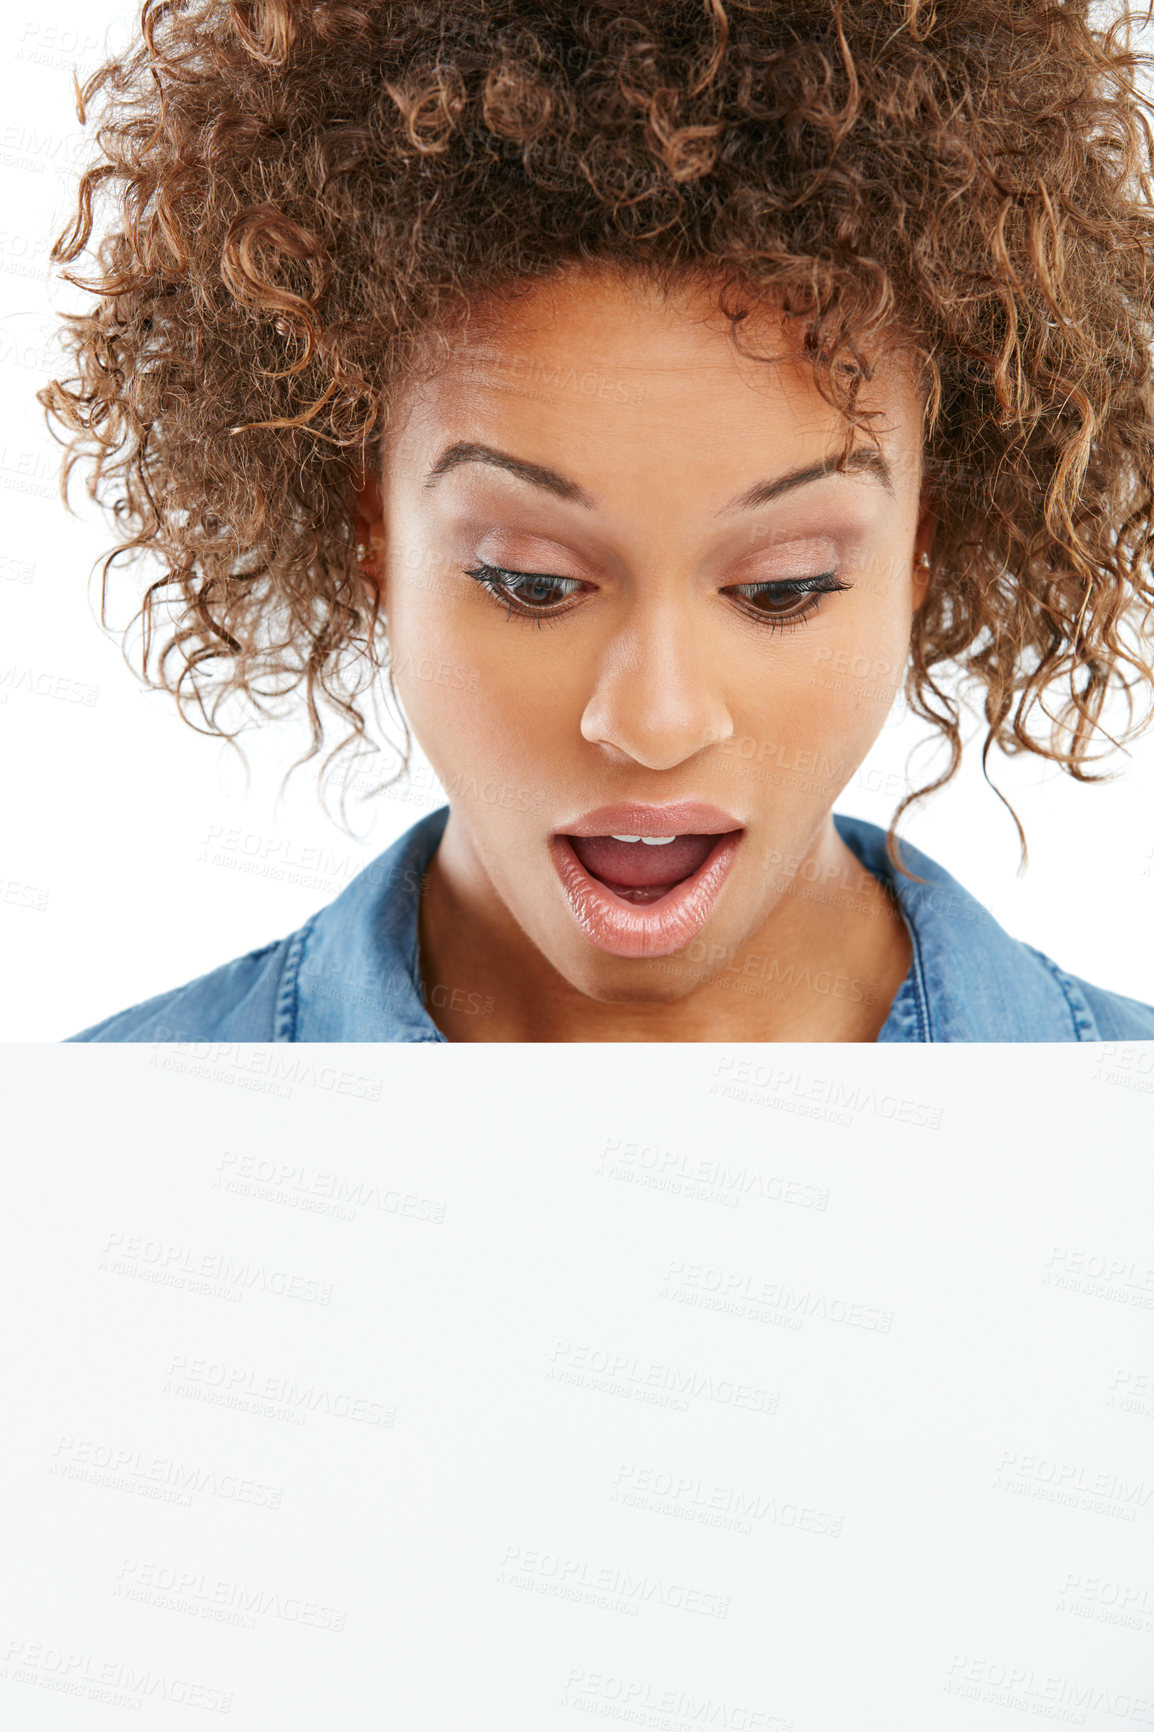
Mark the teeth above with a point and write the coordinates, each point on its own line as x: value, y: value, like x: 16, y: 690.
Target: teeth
x: 649, y: 841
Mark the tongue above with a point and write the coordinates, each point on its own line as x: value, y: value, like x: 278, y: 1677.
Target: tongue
x: 638, y: 865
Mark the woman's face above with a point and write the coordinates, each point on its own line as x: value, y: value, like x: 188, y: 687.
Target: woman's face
x: 623, y: 601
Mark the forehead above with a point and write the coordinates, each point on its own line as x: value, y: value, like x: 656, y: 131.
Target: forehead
x: 608, y: 340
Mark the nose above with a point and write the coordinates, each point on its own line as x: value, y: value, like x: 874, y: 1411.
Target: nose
x: 659, y: 694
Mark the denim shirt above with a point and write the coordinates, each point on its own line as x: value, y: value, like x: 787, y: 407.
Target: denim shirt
x: 351, y: 972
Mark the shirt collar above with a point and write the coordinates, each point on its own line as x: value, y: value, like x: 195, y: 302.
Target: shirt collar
x: 968, y: 979
x: 354, y: 969
x: 358, y: 971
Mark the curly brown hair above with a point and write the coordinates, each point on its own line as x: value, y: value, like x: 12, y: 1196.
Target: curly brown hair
x: 292, y: 201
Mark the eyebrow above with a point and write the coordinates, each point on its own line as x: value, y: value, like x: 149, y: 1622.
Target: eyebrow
x: 535, y: 473
x: 864, y: 461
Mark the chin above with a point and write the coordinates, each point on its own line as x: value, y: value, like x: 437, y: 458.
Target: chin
x: 659, y: 980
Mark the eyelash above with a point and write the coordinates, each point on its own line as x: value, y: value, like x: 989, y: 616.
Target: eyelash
x: 502, y: 585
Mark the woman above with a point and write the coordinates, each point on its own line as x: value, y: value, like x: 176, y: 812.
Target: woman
x: 645, y: 391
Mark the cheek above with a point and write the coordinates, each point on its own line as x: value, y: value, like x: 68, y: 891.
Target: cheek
x: 435, y: 672
x: 479, y: 700
x: 862, y: 659
x: 814, y: 707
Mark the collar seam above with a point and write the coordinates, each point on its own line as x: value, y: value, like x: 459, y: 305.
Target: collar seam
x: 1081, y: 1016
x: 287, y: 1012
x: 921, y: 996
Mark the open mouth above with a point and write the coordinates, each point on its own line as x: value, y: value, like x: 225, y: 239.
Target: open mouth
x: 642, y: 870
x: 641, y: 896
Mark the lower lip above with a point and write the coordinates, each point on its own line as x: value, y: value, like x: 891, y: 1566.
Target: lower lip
x: 648, y: 929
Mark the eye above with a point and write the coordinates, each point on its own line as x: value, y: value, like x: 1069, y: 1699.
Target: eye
x: 786, y: 602
x: 778, y: 604
x: 526, y: 592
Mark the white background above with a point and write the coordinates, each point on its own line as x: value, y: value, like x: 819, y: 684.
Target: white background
x: 117, y: 880
x: 255, y: 1374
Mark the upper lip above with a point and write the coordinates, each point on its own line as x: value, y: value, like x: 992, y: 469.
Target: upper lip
x: 681, y: 818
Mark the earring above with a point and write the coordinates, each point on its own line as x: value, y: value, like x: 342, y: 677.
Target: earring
x: 923, y: 560
x: 363, y: 552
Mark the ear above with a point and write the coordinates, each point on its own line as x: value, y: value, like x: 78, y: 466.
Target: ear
x: 923, y: 555
x: 370, y: 528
